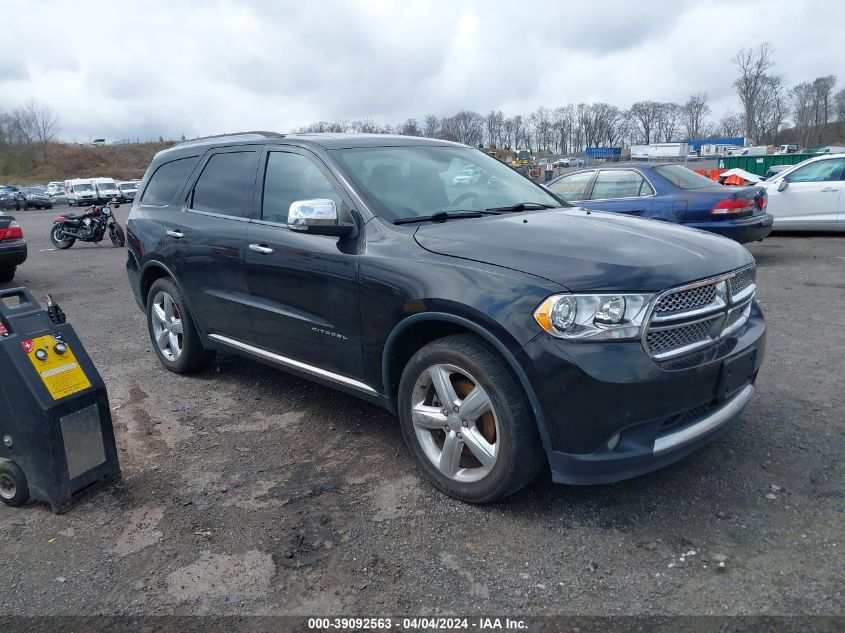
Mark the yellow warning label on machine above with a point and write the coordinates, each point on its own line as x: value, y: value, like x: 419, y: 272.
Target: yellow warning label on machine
x: 56, y: 366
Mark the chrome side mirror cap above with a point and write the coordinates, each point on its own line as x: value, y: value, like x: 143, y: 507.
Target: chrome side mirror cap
x: 783, y: 184
x: 319, y: 216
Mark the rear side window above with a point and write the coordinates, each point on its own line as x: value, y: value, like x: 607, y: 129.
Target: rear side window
x: 167, y: 180
x: 291, y: 177
x: 620, y: 183
x: 226, y: 185
x: 571, y: 188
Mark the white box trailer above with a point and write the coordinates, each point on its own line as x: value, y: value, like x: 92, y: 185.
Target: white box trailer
x: 639, y: 152
x: 713, y: 150
x: 668, y: 150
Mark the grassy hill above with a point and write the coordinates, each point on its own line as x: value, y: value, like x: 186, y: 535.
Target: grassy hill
x: 24, y: 165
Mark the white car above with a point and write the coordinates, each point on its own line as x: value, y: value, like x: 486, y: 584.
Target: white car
x: 809, y: 196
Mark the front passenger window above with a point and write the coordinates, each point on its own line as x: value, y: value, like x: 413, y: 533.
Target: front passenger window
x: 290, y: 177
x: 822, y: 171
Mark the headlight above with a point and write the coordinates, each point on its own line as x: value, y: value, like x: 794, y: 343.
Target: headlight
x: 593, y: 317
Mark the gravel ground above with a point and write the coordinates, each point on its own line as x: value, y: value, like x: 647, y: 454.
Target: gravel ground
x: 248, y: 491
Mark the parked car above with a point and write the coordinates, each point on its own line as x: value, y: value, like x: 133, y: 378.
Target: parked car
x: 788, y: 148
x: 127, y: 190
x: 36, y: 198
x: 809, y: 196
x: 504, y: 329
x: 56, y: 191
x: 466, y: 176
x: 80, y: 192
x: 672, y: 193
x: 8, y: 202
x: 106, y: 189
x: 12, y: 247
x: 774, y: 170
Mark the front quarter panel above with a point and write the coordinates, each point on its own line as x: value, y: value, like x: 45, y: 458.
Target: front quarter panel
x: 401, y: 280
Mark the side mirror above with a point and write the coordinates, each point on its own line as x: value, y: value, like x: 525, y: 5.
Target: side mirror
x: 783, y: 184
x: 318, y: 216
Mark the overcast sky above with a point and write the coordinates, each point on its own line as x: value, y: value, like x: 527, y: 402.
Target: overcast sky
x: 118, y: 69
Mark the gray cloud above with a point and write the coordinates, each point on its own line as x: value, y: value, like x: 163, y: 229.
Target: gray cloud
x: 164, y: 67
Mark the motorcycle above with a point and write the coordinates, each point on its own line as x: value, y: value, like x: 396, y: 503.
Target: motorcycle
x: 90, y: 226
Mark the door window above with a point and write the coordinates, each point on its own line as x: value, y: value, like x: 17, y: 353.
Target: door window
x: 620, y: 183
x: 822, y: 171
x: 290, y: 177
x: 572, y: 187
x: 226, y: 185
x: 166, y: 181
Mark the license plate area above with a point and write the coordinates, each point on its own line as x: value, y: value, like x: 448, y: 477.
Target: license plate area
x: 736, y: 373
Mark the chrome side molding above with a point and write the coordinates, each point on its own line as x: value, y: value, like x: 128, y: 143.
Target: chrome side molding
x: 290, y: 362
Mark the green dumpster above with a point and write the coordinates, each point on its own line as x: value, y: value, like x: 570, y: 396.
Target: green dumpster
x: 760, y: 164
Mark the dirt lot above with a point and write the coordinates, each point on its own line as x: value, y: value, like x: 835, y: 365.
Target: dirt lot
x: 248, y: 491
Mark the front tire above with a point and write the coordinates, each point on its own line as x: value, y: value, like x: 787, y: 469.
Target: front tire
x: 59, y: 239
x: 14, y: 489
x: 117, y: 237
x: 172, y: 331
x: 466, y: 421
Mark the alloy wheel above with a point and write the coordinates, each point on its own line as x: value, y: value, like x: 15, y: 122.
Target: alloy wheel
x: 455, y: 423
x: 167, y: 326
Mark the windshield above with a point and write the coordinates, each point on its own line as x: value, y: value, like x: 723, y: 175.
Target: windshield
x: 84, y: 187
x: 683, y: 177
x: 106, y: 185
x: 129, y: 186
x: 419, y: 180
x: 34, y: 189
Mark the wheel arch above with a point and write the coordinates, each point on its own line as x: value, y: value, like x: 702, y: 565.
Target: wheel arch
x: 413, y: 332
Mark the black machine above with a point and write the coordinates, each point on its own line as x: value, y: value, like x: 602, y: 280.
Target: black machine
x: 56, y: 435
x: 90, y: 226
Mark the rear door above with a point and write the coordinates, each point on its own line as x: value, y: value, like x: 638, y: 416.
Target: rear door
x: 812, y: 197
x: 304, y: 287
x: 621, y: 191
x: 207, y: 240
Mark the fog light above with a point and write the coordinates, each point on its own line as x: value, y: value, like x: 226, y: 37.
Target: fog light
x: 613, y: 442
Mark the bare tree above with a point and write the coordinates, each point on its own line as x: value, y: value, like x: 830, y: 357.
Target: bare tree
x: 802, y: 97
x: 518, y: 130
x: 669, y: 120
x: 753, y: 64
x: 410, y: 128
x: 431, y: 127
x: 645, y: 116
x: 507, y: 133
x: 695, y: 111
x: 42, y: 122
x: 731, y: 124
x: 465, y: 127
x: 541, y: 125
x: 493, y: 124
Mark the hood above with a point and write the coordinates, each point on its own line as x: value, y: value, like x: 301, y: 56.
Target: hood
x: 588, y: 250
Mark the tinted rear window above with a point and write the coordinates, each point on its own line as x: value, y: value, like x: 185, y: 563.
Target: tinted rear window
x: 167, y: 180
x: 226, y: 184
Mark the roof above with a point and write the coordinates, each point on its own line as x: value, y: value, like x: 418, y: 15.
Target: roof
x: 325, y: 140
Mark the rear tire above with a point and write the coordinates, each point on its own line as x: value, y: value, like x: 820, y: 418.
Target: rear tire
x: 60, y: 241
x: 487, y: 428
x: 14, y: 490
x: 172, y: 331
x: 7, y: 274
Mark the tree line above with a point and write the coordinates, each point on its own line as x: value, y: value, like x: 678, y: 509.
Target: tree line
x: 24, y: 135
x: 815, y: 112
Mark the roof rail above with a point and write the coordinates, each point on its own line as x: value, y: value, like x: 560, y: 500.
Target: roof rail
x: 251, y: 133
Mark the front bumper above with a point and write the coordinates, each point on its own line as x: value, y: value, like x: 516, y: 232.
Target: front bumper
x: 589, y: 392
x: 12, y: 253
x: 743, y: 230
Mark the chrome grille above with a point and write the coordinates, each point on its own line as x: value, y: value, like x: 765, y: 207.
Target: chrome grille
x: 660, y: 341
x: 696, y: 316
x: 686, y: 299
x: 742, y: 280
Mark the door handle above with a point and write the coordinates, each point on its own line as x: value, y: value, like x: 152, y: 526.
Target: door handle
x: 177, y: 234
x: 259, y: 248
x: 829, y: 190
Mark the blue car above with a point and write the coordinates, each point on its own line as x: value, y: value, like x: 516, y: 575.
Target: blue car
x: 672, y: 193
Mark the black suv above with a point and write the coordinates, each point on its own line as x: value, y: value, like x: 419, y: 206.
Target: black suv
x: 506, y: 329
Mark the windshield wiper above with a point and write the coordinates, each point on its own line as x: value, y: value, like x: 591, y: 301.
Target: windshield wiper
x: 442, y: 216
x: 522, y: 206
